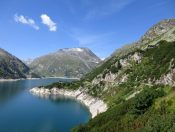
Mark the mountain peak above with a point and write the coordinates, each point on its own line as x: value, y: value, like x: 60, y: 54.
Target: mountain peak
x: 73, y: 49
x: 163, y: 30
x: 158, y: 29
x: 69, y: 62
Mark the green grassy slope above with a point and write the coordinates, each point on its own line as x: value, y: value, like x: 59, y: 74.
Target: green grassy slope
x: 150, y: 110
x: 130, y: 83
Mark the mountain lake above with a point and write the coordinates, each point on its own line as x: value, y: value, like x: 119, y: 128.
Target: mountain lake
x: 20, y: 111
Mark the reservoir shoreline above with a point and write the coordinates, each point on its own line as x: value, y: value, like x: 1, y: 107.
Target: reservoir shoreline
x: 10, y: 80
x: 95, y: 105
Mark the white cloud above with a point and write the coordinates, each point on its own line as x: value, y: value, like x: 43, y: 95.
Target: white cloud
x: 46, y: 20
x: 27, y: 21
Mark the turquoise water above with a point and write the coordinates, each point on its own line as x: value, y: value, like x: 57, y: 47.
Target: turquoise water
x: 20, y: 111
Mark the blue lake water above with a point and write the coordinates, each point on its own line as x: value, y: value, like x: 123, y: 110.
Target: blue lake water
x: 21, y: 111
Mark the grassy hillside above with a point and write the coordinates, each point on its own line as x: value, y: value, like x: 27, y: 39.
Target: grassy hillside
x: 150, y: 110
x: 137, y: 82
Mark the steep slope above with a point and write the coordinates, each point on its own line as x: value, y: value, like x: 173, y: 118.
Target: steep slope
x: 73, y: 62
x: 137, y: 82
x: 163, y: 30
x: 11, y: 67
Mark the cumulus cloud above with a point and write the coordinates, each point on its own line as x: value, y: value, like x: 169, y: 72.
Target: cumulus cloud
x: 25, y: 20
x: 46, y: 20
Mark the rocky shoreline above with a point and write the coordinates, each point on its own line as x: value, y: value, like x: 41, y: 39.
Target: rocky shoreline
x: 9, y: 80
x: 95, y: 105
x: 12, y: 80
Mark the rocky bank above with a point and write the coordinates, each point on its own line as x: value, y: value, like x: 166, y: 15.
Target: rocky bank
x: 95, y: 105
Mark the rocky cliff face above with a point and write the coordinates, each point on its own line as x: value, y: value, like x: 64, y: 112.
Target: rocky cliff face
x: 11, y: 67
x: 70, y: 62
x: 167, y: 79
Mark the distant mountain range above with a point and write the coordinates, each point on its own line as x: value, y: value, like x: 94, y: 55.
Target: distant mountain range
x: 28, y: 61
x: 68, y: 62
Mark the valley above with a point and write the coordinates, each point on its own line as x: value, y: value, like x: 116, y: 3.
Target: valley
x: 87, y: 66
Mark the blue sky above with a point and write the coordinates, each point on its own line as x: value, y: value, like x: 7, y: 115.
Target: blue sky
x: 31, y: 28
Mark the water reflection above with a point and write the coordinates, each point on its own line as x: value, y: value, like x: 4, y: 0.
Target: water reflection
x: 8, y: 90
x: 56, y: 99
x: 24, y: 112
x: 59, y: 99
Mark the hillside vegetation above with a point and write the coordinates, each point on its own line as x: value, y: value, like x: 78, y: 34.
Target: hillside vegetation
x: 10, y: 66
x: 138, y: 84
x: 152, y: 106
x: 13, y: 68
